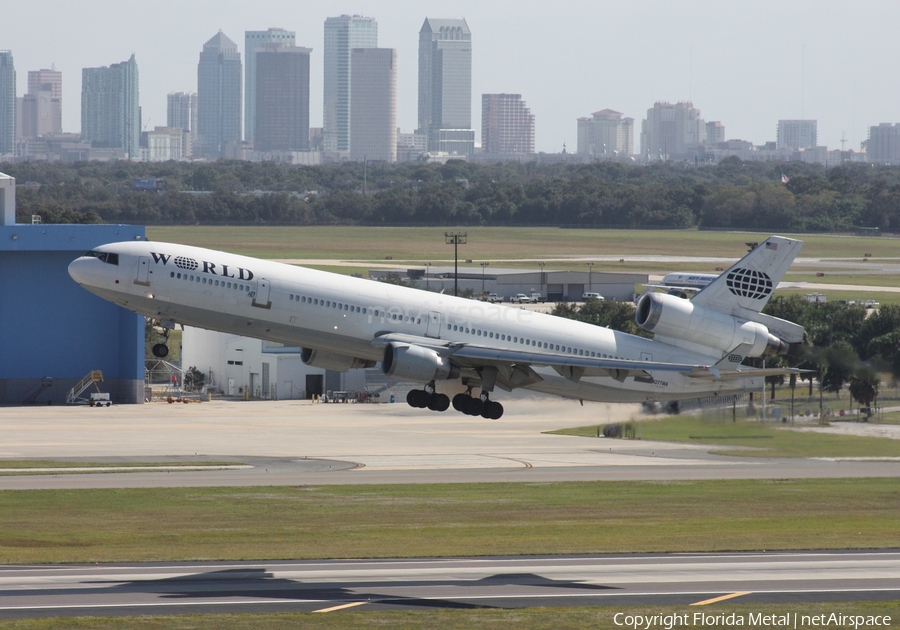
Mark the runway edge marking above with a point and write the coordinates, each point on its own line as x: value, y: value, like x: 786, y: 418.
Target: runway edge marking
x: 341, y: 607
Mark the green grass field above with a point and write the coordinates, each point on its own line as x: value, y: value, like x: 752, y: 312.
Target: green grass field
x: 594, y: 618
x: 757, y: 439
x: 128, y: 525
x: 427, y: 243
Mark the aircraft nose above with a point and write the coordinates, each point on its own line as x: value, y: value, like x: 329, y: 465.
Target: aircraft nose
x: 79, y: 269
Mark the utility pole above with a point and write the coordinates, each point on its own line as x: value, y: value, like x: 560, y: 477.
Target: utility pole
x: 483, y: 265
x: 590, y: 276
x: 456, y: 239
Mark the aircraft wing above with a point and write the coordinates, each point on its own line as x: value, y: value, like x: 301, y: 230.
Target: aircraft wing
x: 507, y: 361
x: 735, y: 375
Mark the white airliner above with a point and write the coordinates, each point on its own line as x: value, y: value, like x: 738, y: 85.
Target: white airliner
x: 449, y: 343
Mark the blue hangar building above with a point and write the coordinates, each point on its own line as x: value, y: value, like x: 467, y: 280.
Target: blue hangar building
x: 52, y: 332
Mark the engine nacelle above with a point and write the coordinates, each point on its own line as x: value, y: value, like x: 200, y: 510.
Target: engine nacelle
x: 415, y: 363
x: 331, y: 361
x: 676, y: 317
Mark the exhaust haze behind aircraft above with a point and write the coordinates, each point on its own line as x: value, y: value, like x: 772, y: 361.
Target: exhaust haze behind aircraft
x: 448, y: 343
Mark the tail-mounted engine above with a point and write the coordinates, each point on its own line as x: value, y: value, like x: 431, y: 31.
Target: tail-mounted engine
x: 677, y: 318
x: 415, y: 363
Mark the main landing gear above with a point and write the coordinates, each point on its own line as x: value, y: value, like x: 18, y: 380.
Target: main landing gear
x: 422, y: 398
x: 465, y: 403
x: 482, y: 406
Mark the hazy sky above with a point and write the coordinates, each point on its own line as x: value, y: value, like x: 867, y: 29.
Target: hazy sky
x: 745, y: 63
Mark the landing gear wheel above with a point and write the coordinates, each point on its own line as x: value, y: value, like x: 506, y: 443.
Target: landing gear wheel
x: 474, y: 406
x: 439, y: 402
x: 492, y: 410
x: 459, y: 402
x: 160, y: 350
x: 417, y: 398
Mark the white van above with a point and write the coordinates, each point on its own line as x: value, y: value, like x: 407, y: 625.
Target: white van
x: 590, y: 295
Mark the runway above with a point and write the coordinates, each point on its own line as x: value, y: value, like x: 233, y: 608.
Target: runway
x: 294, y: 442
x: 693, y: 580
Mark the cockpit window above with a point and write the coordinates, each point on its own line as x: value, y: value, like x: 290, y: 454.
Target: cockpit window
x: 107, y: 257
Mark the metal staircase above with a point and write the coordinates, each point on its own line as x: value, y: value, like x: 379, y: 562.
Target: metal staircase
x: 91, y: 378
x: 32, y: 394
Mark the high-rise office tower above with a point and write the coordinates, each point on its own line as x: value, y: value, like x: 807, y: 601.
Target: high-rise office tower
x: 7, y: 103
x: 796, y: 134
x: 218, y: 96
x: 282, y: 98
x: 110, y: 108
x: 342, y: 34
x: 181, y: 110
x: 181, y: 113
x: 606, y: 133
x: 672, y: 131
x: 883, y: 145
x: 253, y: 41
x: 507, y: 124
x: 42, y: 105
x: 373, y: 104
x: 445, y: 86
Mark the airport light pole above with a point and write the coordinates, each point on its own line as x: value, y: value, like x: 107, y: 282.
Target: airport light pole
x: 590, y: 276
x: 543, y: 277
x: 483, y: 265
x: 456, y: 239
x: 427, y: 269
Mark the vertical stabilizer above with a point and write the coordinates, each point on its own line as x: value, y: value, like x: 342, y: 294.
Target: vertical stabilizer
x: 745, y: 288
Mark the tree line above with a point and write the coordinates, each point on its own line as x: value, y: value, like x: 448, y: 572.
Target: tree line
x: 730, y: 195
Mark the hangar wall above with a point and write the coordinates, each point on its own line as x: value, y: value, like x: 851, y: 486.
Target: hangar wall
x: 51, y: 327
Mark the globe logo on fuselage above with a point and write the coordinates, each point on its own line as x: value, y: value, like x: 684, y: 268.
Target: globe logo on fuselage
x: 188, y: 264
x: 749, y: 283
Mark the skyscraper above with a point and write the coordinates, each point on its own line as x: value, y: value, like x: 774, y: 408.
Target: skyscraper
x: 883, y: 146
x: 7, y: 103
x: 282, y: 98
x: 606, y: 133
x: 672, y: 131
x: 796, y: 134
x: 373, y: 104
x: 253, y: 41
x: 181, y: 113
x: 42, y: 105
x: 110, y: 108
x: 342, y: 34
x: 445, y: 86
x: 181, y: 110
x: 218, y: 96
x: 507, y: 124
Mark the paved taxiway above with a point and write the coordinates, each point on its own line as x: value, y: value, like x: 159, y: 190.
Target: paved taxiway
x: 610, y: 580
x: 296, y: 442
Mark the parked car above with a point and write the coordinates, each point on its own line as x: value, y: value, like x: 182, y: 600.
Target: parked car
x: 538, y: 298
x: 520, y: 298
x: 590, y: 295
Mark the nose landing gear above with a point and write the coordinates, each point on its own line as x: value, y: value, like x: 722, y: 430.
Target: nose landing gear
x: 161, y: 350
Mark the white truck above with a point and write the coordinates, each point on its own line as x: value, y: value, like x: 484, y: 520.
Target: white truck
x: 520, y: 298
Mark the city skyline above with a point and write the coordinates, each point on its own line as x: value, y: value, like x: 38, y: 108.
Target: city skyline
x: 747, y: 64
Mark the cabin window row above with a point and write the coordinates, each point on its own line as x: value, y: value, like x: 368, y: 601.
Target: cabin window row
x: 212, y: 281
x: 353, y: 308
x: 529, y: 342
